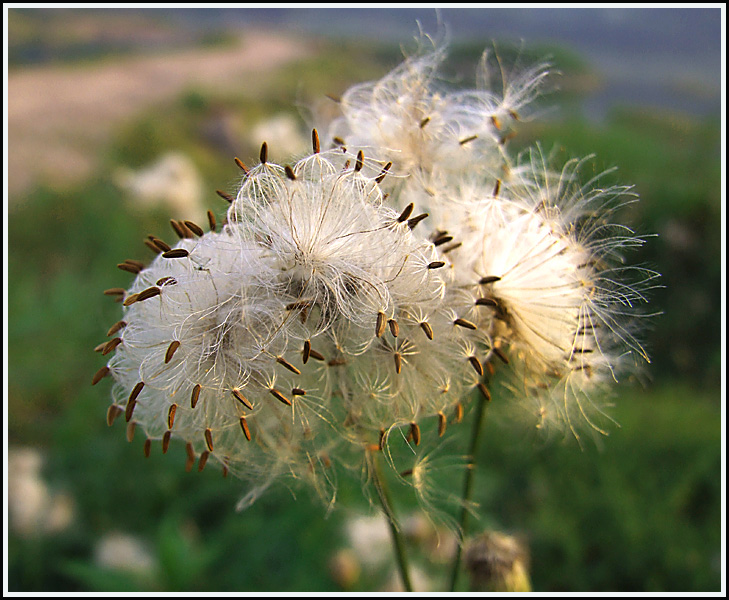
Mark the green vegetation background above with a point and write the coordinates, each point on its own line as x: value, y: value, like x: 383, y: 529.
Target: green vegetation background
x: 639, y: 511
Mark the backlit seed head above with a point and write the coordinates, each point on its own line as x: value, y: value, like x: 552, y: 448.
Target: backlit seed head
x: 401, y: 316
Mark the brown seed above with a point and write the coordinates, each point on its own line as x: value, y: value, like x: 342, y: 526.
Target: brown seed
x: 263, y: 156
x: 316, y: 355
x: 283, y: 362
x: 458, y: 417
x: 171, y: 415
x: 110, y: 345
x: 129, y: 268
x: 209, y: 439
x: 135, y: 263
x: 394, y: 327
x: 338, y: 141
x: 299, y: 305
x: 359, y: 162
x: 166, y: 281
x: 166, y: 441
x: 476, y: 364
x: 407, y: 211
x: 119, y: 325
x: 425, y: 326
x: 211, y: 220
x: 289, y: 173
x: 203, y: 461
x: 227, y: 197
x: 163, y: 246
x: 490, y: 368
x: 315, y: 141
x: 485, y: 391
x: 451, y: 247
x: 189, y: 233
x: 464, y: 323
x: 177, y: 228
x: 415, y: 431
x: 190, y: 457
x: 398, y: 362
x: 176, y: 253
x: 382, y: 174
x: 298, y: 392
x: 415, y: 220
x: 147, y: 447
x: 132, y: 402
x: 151, y: 246
x: 136, y: 391
x: 488, y: 279
x: 307, y: 351
x: 424, y: 122
x: 171, y: 349
x: 112, y: 413
x: 225, y: 470
x: 131, y: 299
x: 500, y: 353
x: 441, y: 423
x: 195, y: 396
x: 380, y: 324
x: 100, y: 347
x: 514, y: 115
x: 337, y: 362
x: 244, y: 427
x: 496, y: 122
x: 442, y: 239
x: 436, y: 264
x: 241, y: 398
x: 241, y: 165
x: 131, y: 428
x: 465, y: 140
x: 100, y: 374
x: 195, y: 228
x: 148, y: 293
x: 279, y: 396
x: 406, y: 472
x: 497, y: 188
x: 115, y: 292
x: 486, y: 302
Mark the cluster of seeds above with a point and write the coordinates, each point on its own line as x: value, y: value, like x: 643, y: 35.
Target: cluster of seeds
x: 348, y: 296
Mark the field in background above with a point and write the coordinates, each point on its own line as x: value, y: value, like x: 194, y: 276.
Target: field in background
x: 638, y: 512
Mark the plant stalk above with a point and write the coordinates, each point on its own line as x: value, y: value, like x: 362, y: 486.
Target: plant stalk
x: 397, y: 541
x: 467, y: 484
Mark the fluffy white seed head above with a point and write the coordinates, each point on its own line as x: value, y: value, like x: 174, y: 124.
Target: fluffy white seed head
x: 427, y: 130
x: 367, y: 289
x: 313, y: 322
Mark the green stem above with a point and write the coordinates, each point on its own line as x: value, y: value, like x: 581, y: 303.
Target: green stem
x: 384, y: 497
x: 467, y: 483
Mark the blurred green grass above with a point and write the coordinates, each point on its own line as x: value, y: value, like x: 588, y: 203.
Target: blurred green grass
x: 640, y: 514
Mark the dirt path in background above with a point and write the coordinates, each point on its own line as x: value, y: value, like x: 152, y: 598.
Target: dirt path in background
x: 60, y: 117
